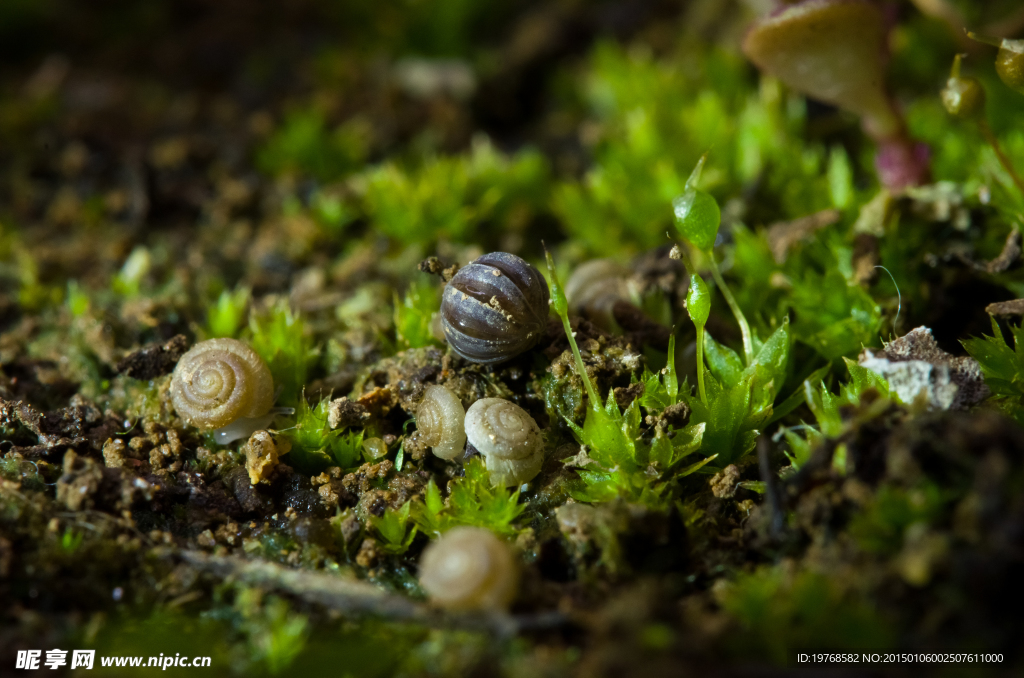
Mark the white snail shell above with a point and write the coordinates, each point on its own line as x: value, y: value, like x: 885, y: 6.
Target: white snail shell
x: 440, y: 419
x: 219, y: 381
x: 508, y: 438
x: 594, y: 287
x: 469, y: 568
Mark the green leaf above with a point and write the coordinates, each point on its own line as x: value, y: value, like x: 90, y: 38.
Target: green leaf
x: 840, y: 178
x: 559, y: 303
x: 697, y: 213
x: 734, y: 415
x: 667, y: 452
x: 655, y: 397
x: 671, y: 379
x: 393, y: 529
x: 723, y: 362
x: 661, y: 389
x: 861, y: 380
x: 1002, y: 366
x: 773, y: 354
x: 347, y: 448
x: 825, y: 407
x: 429, y: 515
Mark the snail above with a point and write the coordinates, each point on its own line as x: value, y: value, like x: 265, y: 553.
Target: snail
x: 440, y: 420
x: 594, y: 287
x: 469, y: 568
x: 494, y: 308
x: 508, y: 439
x: 219, y: 382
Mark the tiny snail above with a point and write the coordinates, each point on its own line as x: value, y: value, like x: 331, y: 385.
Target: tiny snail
x: 440, y: 419
x: 594, y: 287
x: 508, y: 439
x: 469, y: 568
x: 220, y: 381
x: 963, y: 97
x: 494, y: 308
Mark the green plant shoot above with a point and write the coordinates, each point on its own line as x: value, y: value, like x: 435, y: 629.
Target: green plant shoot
x: 227, y: 316
x: 396, y: 534
x: 280, y: 338
x: 698, y: 306
x: 619, y: 463
x: 697, y: 219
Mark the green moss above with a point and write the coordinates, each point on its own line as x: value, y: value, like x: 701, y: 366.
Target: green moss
x: 1003, y: 367
x: 315, y: 446
x: 826, y: 409
x: 449, y: 197
x: 280, y: 337
x: 780, y: 613
x: 472, y: 500
x: 413, y: 315
x: 305, y: 145
x: 395, y: 529
x: 880, y: 527
x: 227, y: 316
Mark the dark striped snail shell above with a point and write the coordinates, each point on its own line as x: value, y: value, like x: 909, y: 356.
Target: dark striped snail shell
x: 494, y: 308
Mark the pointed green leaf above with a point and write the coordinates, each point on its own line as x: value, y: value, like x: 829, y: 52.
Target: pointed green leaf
x: 723, y: 362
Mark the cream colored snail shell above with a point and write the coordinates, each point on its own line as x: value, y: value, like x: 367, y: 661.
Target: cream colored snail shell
x: 469, y: 568
x: 594, y: 287
x: 441, y: 419
x: 219, y: 381
x: 508, y: 438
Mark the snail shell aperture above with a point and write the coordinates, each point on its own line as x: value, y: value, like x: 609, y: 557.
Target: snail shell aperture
x: 469, y: 568
x: 219, y: 381
x: 494, y: 308
x: 440, y: 419
x: 508, y: 438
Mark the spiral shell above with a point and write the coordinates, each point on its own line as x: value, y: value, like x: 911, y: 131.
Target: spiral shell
x: 468, y: 568
x: 440, y: 419
x: 494, y: 308
x: 219, y: 381
x: 508, y: 439
x: 594, y: 287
